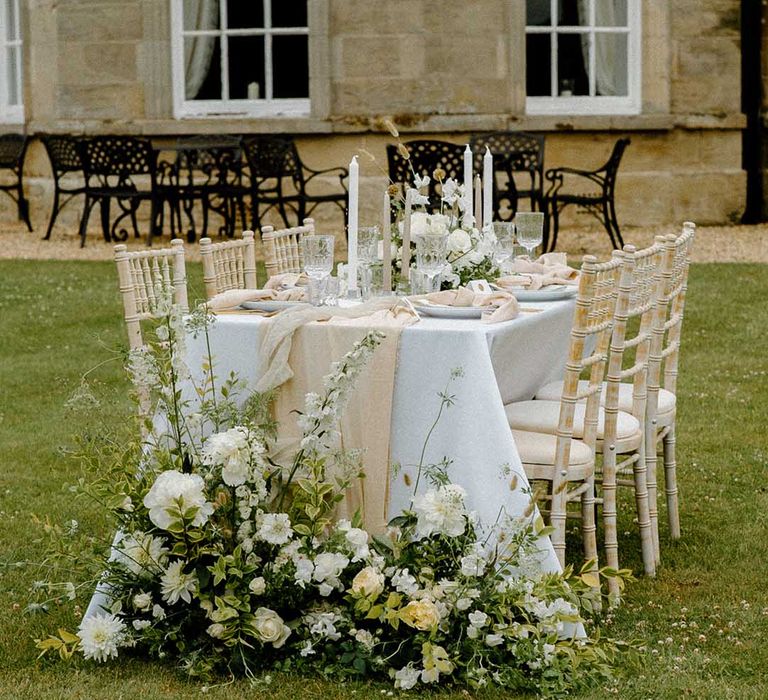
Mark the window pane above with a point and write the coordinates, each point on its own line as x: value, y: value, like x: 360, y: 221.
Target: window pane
x: 245, y: 15
x: 201, y: 14
x: 537, y: 64
x: 246, y: 68
x: 12, y: 73
x: 572, y: 62
x: 10, y: 20
x: 611, y: 65
x: 573, y: 13
x: 289, y: 13
x: 202, y: 68
x: 538, y: 13
x: 290, y: 66
x: 611, y: 13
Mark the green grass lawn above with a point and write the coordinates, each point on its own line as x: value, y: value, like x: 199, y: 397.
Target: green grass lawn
x: 704, y: 619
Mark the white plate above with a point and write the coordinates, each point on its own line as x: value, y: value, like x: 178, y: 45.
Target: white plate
x: 451, y: 311
x: 551, y: 293
x: 271, y: 305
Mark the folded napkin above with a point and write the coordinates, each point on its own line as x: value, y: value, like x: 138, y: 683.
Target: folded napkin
x: 550, y: 268
x: 233, y: 298
x: 400, y: 315
x: 287, y: 279
x: 506, y: 302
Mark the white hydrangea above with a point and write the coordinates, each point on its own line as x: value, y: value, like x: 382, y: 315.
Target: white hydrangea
x: 100, y: 636
x: 141, y: 553
x: 174, y: 493
x: 441, y: 512
x: 275, y: 528
x: 177, y: 585
x: 323, y: 625
x: 404, y: 582
x: 232, y: 451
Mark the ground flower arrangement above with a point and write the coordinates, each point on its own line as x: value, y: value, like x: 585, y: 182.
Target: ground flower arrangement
x: 229, y: 564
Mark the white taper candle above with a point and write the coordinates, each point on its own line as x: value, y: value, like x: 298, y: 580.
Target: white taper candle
x: 386, y: 245
x: 468, y: 214
x: 352, y: 228
x: 487, y: 188
x: 478, y: 202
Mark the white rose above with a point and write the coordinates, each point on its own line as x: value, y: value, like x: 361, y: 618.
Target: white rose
x: 232, y: 450
x: 459, y: 241
x: 269, y: 627
x: 358, y: 540
x: 142, y: 601
x: 177, y: 493
x: 257, y: 586
x: 368, y: 582
x: 329, y: 565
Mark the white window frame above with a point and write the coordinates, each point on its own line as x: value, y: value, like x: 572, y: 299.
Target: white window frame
x: 593, y: 104
x: 265, y: 107
x: 10, y: 114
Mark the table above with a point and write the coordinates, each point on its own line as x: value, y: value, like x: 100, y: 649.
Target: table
x: 501, y: 363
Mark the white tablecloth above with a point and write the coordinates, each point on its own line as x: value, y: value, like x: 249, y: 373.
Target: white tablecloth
x: 501, y: 363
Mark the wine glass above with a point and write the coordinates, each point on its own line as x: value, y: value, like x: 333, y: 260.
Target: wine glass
x: 318, y: 262
x: 504, y: 231
x: 431, y: 251
x: 530, y: 229
x: 367, y: 254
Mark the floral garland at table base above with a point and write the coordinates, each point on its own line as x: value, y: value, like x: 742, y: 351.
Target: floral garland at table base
x: 229, y: 563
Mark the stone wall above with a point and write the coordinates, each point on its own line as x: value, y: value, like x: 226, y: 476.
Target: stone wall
x: 444, y: 69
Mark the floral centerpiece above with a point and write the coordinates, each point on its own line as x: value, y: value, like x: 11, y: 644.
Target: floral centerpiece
x: 229, y: 561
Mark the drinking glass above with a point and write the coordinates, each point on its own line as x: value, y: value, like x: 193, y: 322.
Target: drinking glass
x: 367, y: 254
x: 431, y: 251
x: 530, y: 229
x: 318, y: 263
x: 504, y: 231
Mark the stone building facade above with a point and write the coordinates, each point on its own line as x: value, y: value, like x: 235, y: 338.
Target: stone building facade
x: 441, y: 69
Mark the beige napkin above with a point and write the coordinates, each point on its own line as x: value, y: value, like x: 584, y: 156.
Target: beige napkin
x: 287, y: 279
x: 296, y: 354
x: 508, y: 307
x: 550, y: 268
x: 233, y: 298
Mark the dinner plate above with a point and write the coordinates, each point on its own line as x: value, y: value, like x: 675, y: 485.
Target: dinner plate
x: 550, y: 293
x: 271, y: 305
x: 451, y: 311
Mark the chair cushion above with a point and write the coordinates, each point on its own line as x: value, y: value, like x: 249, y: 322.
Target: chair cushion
x: 543, y: 416
x: 539, y: 449
x: 667, y: 400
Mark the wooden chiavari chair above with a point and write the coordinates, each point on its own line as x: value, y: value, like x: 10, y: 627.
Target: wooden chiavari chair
x: 229, y: 265
x: 282, y: 247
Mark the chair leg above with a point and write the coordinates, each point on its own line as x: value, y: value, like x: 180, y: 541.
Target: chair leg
x: 670, y: 483
x: 606, y: 221
x: 23, y: 206
x: 557, y: 515
x: 105, y: 206
x: 644, y: 524
x: 89, y: 203
x: 615, y: 223
x: 588, y: 525
x: 555, y: 223
x: 610, y: 521
x: 54, y: 214
x: 653, y: 507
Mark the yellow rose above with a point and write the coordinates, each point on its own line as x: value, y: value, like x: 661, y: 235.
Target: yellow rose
x: 368, y: 582
x: 421, y: 614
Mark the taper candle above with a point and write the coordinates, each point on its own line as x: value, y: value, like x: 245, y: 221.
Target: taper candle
x: 352, y: 228
x: 468, y: 213
x: 386, y: 246
x: 487, y: 188
x: 478, y: 202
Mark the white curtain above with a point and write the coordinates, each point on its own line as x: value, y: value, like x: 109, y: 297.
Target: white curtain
x: 198, y: 50
x: 610, y: 59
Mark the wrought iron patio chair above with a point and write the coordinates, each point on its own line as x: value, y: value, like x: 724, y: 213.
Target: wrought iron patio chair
x: 426, y: 156
x: 115, y: 167
x: 68, y: 176
x: 278, y: 179
x: 600, y: 204
x: 518, y: 167
x: 13, y: 149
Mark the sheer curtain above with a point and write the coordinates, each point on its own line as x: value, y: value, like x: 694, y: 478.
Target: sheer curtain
x: 198, y: 50
x: 610, y: 59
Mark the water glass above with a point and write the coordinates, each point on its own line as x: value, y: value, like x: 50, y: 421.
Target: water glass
x: 318, y: 255
x: 530, y: 229
x: 504, y: 231
x: 367, y: 254
x: 431, y: 252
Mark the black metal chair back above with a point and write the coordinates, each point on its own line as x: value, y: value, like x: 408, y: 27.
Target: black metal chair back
x: 279, y: 179
x: 13, y: 149
x: 518, y: 165
x: 425, y: 157
x: 64, y: 153
x: 600, y: 204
